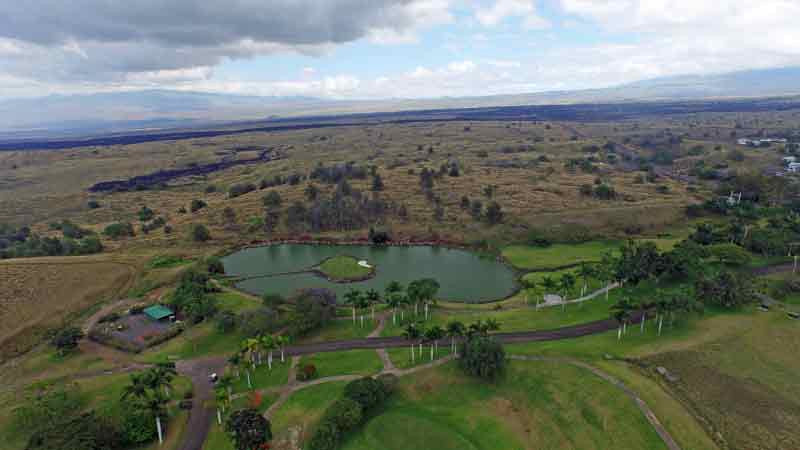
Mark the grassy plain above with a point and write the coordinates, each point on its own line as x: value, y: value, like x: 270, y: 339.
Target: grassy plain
x: 41, y: 293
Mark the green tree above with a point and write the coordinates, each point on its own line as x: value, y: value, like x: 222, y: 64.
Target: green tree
x: 66, y: 339
x: 730, y: 254
x: 196, y: 205
x: 272, y: 200
x: 494, y: 213
x: 455, y: 330
x: 145, y: 214
x: 345, y: 413
x: 483, y: 357
x: 727, y: 289
x: 248, y: 429
x: 199, y: 233
x: 367, y: 391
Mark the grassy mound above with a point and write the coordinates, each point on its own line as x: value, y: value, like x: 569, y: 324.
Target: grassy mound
x: 537, y: 405
x: 344, y: 268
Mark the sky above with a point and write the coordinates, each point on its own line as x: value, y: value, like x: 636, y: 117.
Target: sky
x: 380, y: 49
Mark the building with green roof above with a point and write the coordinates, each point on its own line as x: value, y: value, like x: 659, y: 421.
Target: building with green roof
x: 159, y: 312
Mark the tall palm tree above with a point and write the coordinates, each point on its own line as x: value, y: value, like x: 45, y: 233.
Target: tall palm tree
x: 411, y: 333
x: 352, y: 298
x: 548, y: 284
x: 394, y: 300
x: 236, y: 361
x: 492, y: 324
x: 585, y: 271
x: 621, y: 311
x: 221, y: 398
x: 137, y: 389
x: 160, y: 377
x: 267, y: 344
x: 156, y: 404
x: 373, y: 297
x: 566, y: 283
x: 225, y: 383
x: 455, y: 330
x: 605, y: 270
x: 282, y: 341
x: 433, y: 334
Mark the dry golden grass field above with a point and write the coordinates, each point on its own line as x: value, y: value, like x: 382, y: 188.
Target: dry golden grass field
x: 534, y: 187
x: 39, y: 293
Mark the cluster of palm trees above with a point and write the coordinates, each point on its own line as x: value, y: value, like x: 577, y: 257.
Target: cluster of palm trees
x: 149, y: 391
x: 455, y: 330
x: 360, y: 301
x: 253, y: 350
x: 665, y: 305
x: 604, y: 271
x: 418, y: 294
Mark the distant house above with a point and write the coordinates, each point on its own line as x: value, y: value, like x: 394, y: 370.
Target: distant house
x: 158, y: 313
x: 793, y: 167
x: 789, y: 159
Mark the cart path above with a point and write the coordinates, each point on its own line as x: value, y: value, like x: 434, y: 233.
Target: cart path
x: 643, y: 407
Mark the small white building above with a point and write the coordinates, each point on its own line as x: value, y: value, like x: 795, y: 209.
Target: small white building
x: 793, y: 167
x: 789, y: 159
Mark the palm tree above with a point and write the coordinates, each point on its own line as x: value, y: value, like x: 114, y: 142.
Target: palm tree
x: 567, y: 282
x: 373, y: 297
x: 352, y: 297
x: 432, y: 335
x: 137, y: 388
x: 225, y: 383
x: 412, y: 333
x: 267, y: 344
x: 455, y: 330
x: 222, y: 399
x: 156, y: 404
x: 549, y: 285
x: 394, y: 300
x: 249, y: 348
x: 161, y: 376
x: 282, y: 341
x: 492, y: 324
x: 622, y: 312
x: 362, y: 303
x: 236, y: 361
x: 605, y: 270
x: 585, y: 271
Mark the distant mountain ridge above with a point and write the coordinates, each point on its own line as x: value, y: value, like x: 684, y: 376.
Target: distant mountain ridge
x: 161, y: 109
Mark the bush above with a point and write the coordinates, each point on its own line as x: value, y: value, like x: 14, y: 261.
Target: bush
x: 345, y: 413
x: 137, y: 426
x: 196, y: 205
x: 483, y: 357
x: 326, y: 437
x: 367, y: 391
x: 119, y: 230
x: 199, y: 233
x: 93, y: 204
x: 214, y: 265
x: 307, y: 372
x: 66, y: 339
x: 258, y: 321
x: 272, y: 200
x: 226, y: 322
x: 240, y: 189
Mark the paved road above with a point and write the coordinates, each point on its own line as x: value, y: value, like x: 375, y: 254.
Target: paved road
x: 202, y: 412
x: 373, y: 343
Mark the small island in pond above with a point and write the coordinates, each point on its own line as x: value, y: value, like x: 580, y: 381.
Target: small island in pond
x: 345, y: 269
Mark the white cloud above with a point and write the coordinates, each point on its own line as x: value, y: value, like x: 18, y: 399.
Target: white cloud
x: 503, y: 9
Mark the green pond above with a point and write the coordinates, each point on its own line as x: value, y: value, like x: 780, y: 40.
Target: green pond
x: 462, y: 275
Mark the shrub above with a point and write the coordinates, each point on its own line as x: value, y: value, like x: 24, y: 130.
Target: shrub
x: 136, y: 426
x: 199, y: 233
x: 93, y: 204
x: 66, y: 339
x: 226, y: 322
x: 326, y: 437
x: 345, y: 413
x: 272, y: 200
x: 367, y: 391
x: 307, y: 372
x: 483, y: 357
x: 197, y: 205
x: 119, y: 230
x: 240, y: 189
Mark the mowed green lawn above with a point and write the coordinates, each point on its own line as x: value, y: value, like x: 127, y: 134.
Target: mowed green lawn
x: 343, y: 268
x: 536, y: 405
x: 352, y: 362
x: 528, y: 257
